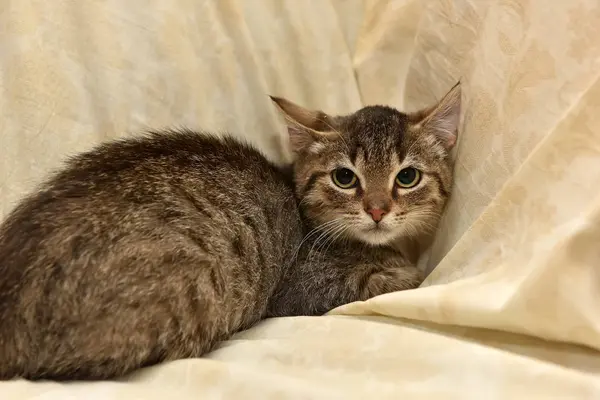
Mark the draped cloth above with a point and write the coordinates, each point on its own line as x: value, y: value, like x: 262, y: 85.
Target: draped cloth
x: 512, y: 307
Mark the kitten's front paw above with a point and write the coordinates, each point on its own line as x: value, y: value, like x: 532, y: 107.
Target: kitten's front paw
x: 391, y: 280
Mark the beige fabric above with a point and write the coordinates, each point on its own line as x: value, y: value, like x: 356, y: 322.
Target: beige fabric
x: 512, y: 309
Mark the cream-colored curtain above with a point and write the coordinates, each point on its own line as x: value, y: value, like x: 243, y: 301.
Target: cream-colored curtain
x: 512, y: 308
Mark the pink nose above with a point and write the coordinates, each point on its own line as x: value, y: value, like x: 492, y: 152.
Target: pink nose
x: 376, y: 213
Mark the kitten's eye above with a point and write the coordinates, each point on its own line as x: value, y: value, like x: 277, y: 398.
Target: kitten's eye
x: 344, y: 178
x: 408, y: 177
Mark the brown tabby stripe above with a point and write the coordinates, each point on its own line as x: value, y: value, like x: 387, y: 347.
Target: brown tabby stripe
x: 443, y: 192
x: 312, y: 181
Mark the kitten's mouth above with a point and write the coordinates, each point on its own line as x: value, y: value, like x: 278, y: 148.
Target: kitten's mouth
x: 378, y: 227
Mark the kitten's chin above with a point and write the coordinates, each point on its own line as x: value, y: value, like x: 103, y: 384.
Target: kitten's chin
x: 376, y: 237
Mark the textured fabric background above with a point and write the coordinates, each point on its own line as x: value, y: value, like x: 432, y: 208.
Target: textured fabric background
x: 512, y: 309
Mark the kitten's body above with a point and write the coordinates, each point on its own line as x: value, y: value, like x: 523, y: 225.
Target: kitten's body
x: 121, y: 263
x: 156, y: 248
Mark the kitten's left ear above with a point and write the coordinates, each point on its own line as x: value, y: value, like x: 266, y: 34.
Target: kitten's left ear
x: 305, y: 126
x: 442, y: 119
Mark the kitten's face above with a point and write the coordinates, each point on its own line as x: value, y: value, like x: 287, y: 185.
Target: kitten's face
x: 375, y: 175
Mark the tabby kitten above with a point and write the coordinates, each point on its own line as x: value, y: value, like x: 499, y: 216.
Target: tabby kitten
x: 156, y: 248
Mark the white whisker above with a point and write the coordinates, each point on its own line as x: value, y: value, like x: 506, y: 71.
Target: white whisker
x: 330, y: 228
x: 332, y: 237
x: 312, y: 233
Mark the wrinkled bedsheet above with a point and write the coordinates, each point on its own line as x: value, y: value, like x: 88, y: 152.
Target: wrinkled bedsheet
x: 512, y: 308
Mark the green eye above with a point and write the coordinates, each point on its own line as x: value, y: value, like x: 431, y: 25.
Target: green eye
x: 344, y: 178
x: 408, y: 178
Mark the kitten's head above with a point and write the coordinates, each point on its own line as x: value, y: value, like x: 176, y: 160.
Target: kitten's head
x: 375, y: 175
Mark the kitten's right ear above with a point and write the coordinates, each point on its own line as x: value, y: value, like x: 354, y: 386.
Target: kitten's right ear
x: 305, y: 127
